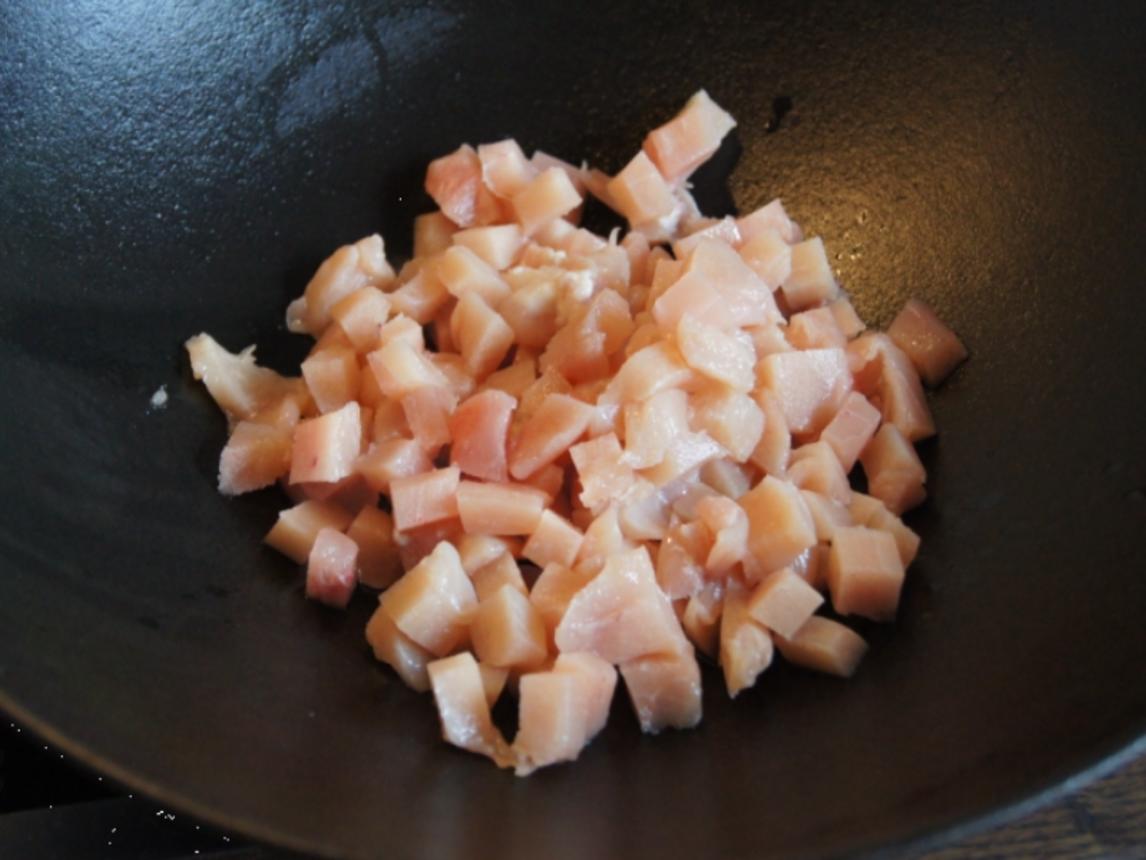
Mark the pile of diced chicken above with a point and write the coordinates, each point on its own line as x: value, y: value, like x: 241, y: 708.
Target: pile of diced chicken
x: 597, y: 454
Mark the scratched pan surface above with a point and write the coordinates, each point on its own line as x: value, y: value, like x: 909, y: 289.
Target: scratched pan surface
x: 171, y: 168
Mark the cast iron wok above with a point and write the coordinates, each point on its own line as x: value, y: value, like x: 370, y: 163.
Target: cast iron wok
x: 174, y: 167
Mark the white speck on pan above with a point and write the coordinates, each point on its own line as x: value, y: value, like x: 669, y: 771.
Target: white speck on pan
x: 159, y: 398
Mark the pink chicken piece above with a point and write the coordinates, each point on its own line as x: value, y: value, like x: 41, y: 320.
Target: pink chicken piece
x: 421, y: 297
x: 554, y: 589
x: 728, y: 525
x: 417, y: 543
x: 348, y: 269
x: 561, y: 710
x: 701, y: 617
x: 295, y: 530
x: 770, y: 218
x: 621, y: 614
x: 882, y: 369
x: 462, y: 271
x: 482, y: 336
x: 718, y: 288
x: 454, y: 182
x: 810, y: 281
x: 255, y: 456
x: 397, y: 650
x: 827, y: 514
x: 726, y: 357
x: 816, y: 329
x: 815, y: 467
x: 779, y: 524
x: 727, y: 477
x: 508, y: 632
x: 550, y: 195
x: 392, y: 458
x: 772, y: 451
x: 851, y: 428
x: 427, y: 411
x: 498, y: 509
x: 479, y: 428
x: 665, y: 690
x: 783, y: 602
x: 496, y: 245
x: 427, y: 497
x: 361, y: 315
x: 463, y: 709
x: 690, y: 138
x: 722, y: 230
x: 499, y: 573
x: 680, y: 559
x: 894, y: 472
x: 373, y: 533
x: 769, y: 256
x: 809, y: 385
x: 650, y: 427
x: 640, y: 193
x: 331, y: 568
x: 647, y: 371
x: 476, y: 551
x: 433, y: 233
x: 824, y: 646
x: 514, y: 379
x: 504, y: 167
x: 325, y: 448
x: 433, y: 602
x: 235, y: 382
x: 865, y: 573
x: 401, y: 368
x: 554, y: 540
x: 602, y: 469
x: 846, y: 317
x: 731, y: 418
x: 745, y: 647
x: 548, y: 433
x: 933, y: 348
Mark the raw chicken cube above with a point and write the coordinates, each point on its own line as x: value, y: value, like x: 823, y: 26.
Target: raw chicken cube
x: 433, y: 602
x: 809, y: 385
x: 427, y: 497
x: 482, y: 336
x: 295, y: 530
x: 731, y: 418
x: 454, y: 183
x: 603, y: 536
x: 719, y: 355
x: 394, y: 648
x: 768, y: 219
x: 728, y: 525
x: 402, y: 328
x: 815, y: 329
x: 664, y: 690
x: 427, y: 412
x: 462, y: 271
x: 775, y: 445
x: 598, y: 682
x: 651, y: 425
x: 373, y: 533
x: 421, y: 297
x: 513, y: 380
x: 392, y: 458
x: 548, y: 433
x: 237, y: 385
x: 463, y: 709
x: 846, y: 317
x: 417, y: 543
x: 400, y: 368
x: 332, y: 377
x: 647, y: 371
x: 769, y: 256
x: 554, y: 589
x: 810, y: 282
x: 555, y: 540
x: 497, y: 574
x: 640, y: 193
x: 349, y: 268
x: 331, y: 568
x: 680, y: 559
x: 779, y: 525
x: 906, y: 541
x: 531, y: 310
x: 727, y: 477
x: 255, y: 456
x: 476, y: 551
x: 498, y: 509
x: 550, y: 195
x: 361, y: 316
x: 783, y: 601
x: 504, y: 167
x: 718, y: 288
x: 507, y: 631
x: 851, y: 429
x: 723, y: 230
x: 479, y: 428
x: 745, y: 647
x: 432, y: 234
x: 827, y: 514
x: 865, y: 573
x: 894, y: 472
x: 880, y: 367
x: 495, y: 245
x: 602, y: 469
x: 701, y: 617
x: 815, y: 467
x: 932, y: 347
x: 690, y: 138
x: 325, y: 448
x: 825, y: 646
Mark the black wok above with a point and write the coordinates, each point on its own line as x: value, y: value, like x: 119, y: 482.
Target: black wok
x: 167, y: 168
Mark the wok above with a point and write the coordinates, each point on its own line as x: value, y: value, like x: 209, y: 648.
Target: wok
x: 174, y: 167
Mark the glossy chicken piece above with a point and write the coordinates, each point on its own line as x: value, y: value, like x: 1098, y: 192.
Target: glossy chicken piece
x: 476, y: 551
x: 665, y: 690
x: 728, y: 524
x: 810, y: 281
x: 731, y: 418
x: 498, y: 509
x: 603, y: 536
x: 295, y: 530
x: 651, y: 425
x: 827, y: 514
x: 851, y: 428
x: 772, y: 451
x: 894, y: 472
x: 462, y: 271
x: 508, y: 632
x: 433, y: 602
x: 548, y: 433
x: 237, y: 385
x: 689, y: 139
x: 745, y: 647
x: 255, y: 456
x: 779, y: 524
x: 701, y: 617
x: 498, y: 573
x: 603, y: 471
x: 482, y: 336
x: 770, y: 218
x: 621, y: 614
x: 815, y: 467
x: 815, y: 329
x: 846, y: 317
x: 479, y: 430
x: 427, y: 497
x: 769, y: 256
x: 783, y: 602
x: 361, y: 315
x: 421, y: 297
x: 427, y: 411
x: 325, y: 448
x: 727, y: 477
x: 725, y: 357
x: 882, y: 370
x: 390, y: 459
x: 504, y: 167
x: 332, y: 377
x: 463, y: 709
x: 397, y: 650
x: 348, y: 269
x: 640, y: 193
x: 555, y: 540
x: 720, y: 229
x: 681, y: 558
x: 809, y: 386
x: 514, y: 379
x: 433, y: 233
x: 454, y: 182
x: 401, y: 368
x: 531, y: 310
x: 865, y: 573
x: 496, y: 245
x: 331, y: 568
x: 718, y: 288
x: 932, y: 347
x: 554, y: 589
x: 550, y: 195
x: 824, y: 646
x: 373, y: 533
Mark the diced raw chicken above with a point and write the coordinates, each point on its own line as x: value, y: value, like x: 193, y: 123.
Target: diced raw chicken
x: 349, y: 268
x: 815, y: 467
x: 815, y: 329
x: 392, y: 458
x: 647, y: 371
x: 543, y: 161
x: 602, y: 469
x: 851, y: 428
x: 255, y: 456
x: 643, y: 514
x: 768, y: 338
x: 894, y: 472
x: 728, y: 524
x: 373, y: 533
x: 769, y: 256
x: 846, y: 317
x: 463, y: 708
x: 548, y: 433
x: 603, y: 536
x: 825, y: 646
x: 405, y: 329
x: 783, y: 602
x: 462, y: 271
x: 394, y: 648
x: 417, y: 543
x: 332, y: 377
x: 718, y: 288
x: 690, y: 138
x: 772, y: 451
x: 650, y: 425
x: 727, y: 477
x: 476, y: 551
x: 550, y: 195
x: 555, y: 540
x: 531, y: 310
x: 482, y: 336
x: 827, y: 514
x: 685, y: 453
x: 427, y: 497
x: 810, y: 282
x: 453, y: 368
x: 549, y: 480
x: 561, y: 710
x: 809, y: 385
x: 361, y: 316
x: 498, y: 509
x: 881, y: 368
x: 745, y: 647
x: 400, y: 369
x: 865, y: 573
x: 504, y: 167
x: 640, y: 192
x: 513, y: 380
x: 723, y: 230
x: 492, y: 682
x: 507, y: 631
x: 500, y: 572
x: 454, y: 182
x: 769, y: 218
x: 331, y: 568
x: 621, y: 614
x: 433, y: 233
x: 497, y: 245
x: 719, y: 355
x: 731, y: 418
x: 779, y: 525
x: 421, y: 297
x: 479, y: 429
x: 548, y: 382
x: 664, y: 690
x: 554, y: 589
x: 932, y: 347
x: 427, y: 411
x: 295, y: 530
x: 906, y: 541
x: 680, y: 560
x: 326, y: 447
x: 239, y: 386
x: 433, y: 602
